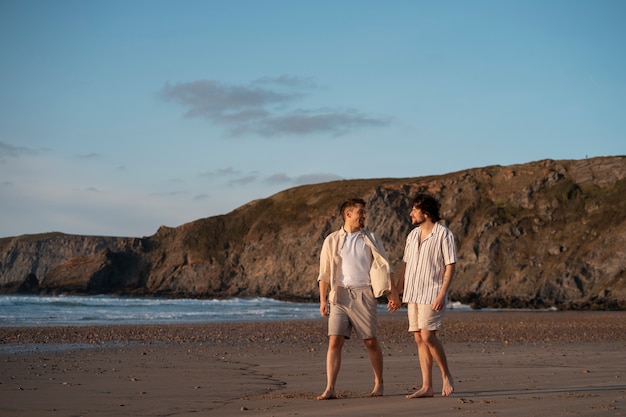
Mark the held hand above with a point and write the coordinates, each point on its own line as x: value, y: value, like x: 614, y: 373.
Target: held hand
x: 393, y: 305
x: 393, y: 302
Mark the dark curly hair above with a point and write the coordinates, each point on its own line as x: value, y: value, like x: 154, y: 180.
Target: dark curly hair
x: 429, y: 205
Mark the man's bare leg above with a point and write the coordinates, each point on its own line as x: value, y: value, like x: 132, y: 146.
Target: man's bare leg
x: 333, y: 363
x: 439, y: 354
x: 436, y: 351
x: 426, y: 367
x: 376, y: 359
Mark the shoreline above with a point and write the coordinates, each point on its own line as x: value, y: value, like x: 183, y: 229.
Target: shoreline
x: 459, y: 326
x: 514, y: 363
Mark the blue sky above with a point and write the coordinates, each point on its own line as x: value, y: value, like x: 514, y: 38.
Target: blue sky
x: 117, y: 117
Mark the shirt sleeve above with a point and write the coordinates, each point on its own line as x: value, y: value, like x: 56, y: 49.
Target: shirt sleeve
x: 325, y: 260
x: 449, y: 249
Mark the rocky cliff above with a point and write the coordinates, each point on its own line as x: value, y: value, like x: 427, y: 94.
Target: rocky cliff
x: 546, y: 233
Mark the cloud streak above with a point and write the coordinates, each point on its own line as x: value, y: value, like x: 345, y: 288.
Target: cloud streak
x: 221, y: 172
x: 265, y: 107
x: 8, y: 150
x: 282, y: 178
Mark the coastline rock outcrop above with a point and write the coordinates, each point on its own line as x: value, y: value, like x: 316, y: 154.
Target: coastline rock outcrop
x: 541, y: 234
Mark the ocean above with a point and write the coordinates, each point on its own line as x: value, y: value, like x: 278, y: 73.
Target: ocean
x: 32, y: 310
x: 35, y: 310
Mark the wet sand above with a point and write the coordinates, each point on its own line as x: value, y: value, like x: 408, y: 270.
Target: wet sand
x: 504, y: 363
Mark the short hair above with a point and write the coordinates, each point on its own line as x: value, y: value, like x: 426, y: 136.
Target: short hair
x: 429, y: 205
x: 348, y: 204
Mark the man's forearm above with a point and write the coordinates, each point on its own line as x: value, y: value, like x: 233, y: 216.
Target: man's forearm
x: 447, y: 277
x: 323, y: 290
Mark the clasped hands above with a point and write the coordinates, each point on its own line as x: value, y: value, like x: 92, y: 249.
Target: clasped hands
x: 393, y: 303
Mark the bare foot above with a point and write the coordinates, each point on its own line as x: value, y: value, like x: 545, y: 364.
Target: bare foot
x: 329, y: 394
x: 377, y: 391
x: 422, y: 393
x: 448, y: 386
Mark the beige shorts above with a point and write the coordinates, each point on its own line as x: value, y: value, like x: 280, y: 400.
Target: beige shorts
x: 355, y: 309
x: 422, y: 316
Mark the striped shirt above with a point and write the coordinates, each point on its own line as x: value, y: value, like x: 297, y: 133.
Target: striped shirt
x: 426, y: 263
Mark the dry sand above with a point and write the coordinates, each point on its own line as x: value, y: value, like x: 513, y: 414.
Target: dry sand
x: 506, y: 363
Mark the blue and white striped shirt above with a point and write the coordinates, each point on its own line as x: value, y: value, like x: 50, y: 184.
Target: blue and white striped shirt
x: 426, y: 263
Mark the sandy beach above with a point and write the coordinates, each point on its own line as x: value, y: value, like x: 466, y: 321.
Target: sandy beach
x: 505, y: 363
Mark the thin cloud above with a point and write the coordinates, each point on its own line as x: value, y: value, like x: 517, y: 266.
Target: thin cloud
x: 92, y: 155
x: 230, y: 172
x: 170, y: 193
x: 281, y: 178
x: 264, y: 108
x: 222, y: 103
x: 222, y: 172
x: 324, y: 121
x: 200, y: 197
x: 243, y: 180
x: 8, y: 150
x: 86, y: 190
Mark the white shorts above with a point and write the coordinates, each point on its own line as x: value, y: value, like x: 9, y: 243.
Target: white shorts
x: 422, y: 316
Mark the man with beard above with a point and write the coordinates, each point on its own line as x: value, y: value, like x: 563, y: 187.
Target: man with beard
x: 429, y: 264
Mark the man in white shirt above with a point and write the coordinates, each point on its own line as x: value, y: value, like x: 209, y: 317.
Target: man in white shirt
x: 346, y: 296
